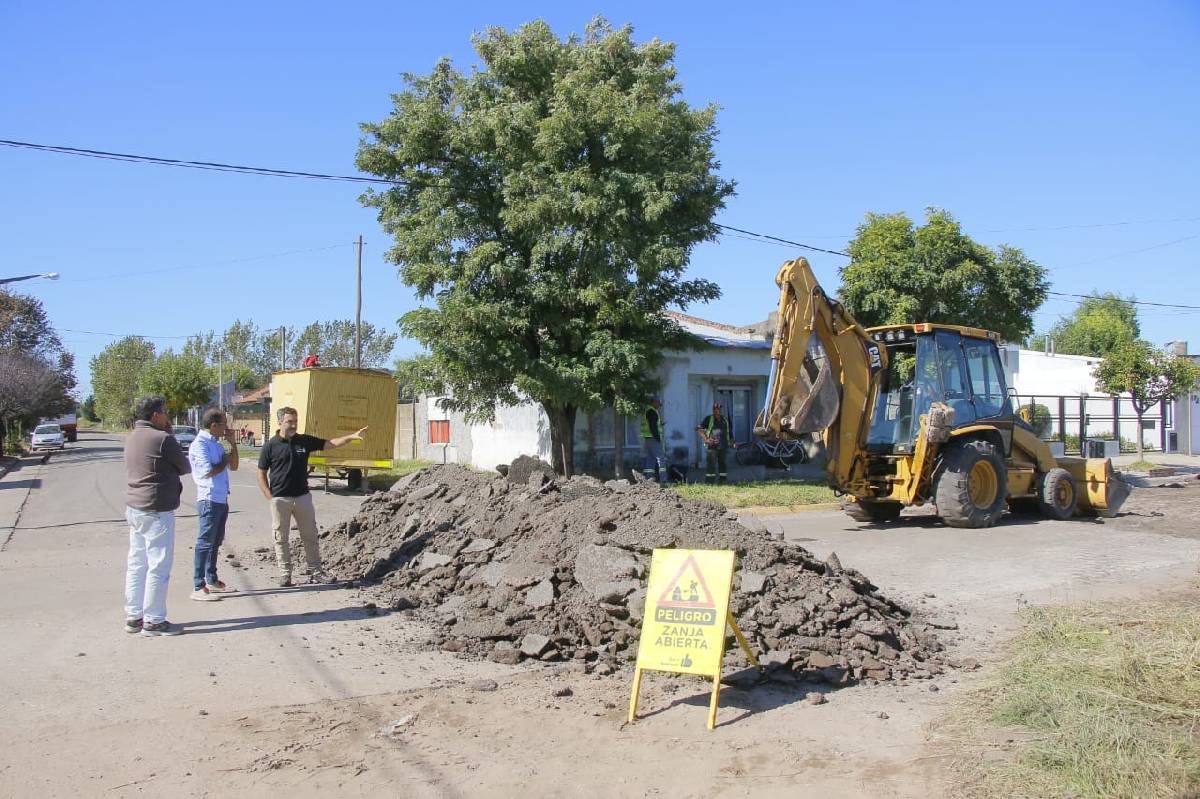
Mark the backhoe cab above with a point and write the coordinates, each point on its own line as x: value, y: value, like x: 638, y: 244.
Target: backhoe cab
x: 915, y: 413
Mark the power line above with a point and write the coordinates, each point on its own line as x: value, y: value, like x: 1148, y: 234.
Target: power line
x: 212, y: 265
x: 120, y: 335
x: 777, y: 240
x: 207, y: 165
x: 754, y: 236
x: 1121, y: 299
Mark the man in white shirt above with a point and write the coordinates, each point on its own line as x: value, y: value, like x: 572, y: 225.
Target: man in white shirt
x: 211, y: 465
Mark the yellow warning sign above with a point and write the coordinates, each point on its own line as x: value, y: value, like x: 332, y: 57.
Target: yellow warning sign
x: 687, y: 601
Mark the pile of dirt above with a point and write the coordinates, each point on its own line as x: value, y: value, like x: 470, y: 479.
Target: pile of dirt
x: 526, y: 566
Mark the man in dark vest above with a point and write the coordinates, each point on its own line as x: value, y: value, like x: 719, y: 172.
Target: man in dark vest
x: 717, y: 433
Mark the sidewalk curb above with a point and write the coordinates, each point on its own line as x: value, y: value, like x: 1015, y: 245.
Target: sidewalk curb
x: 775, y: 510
x: 7, y: 531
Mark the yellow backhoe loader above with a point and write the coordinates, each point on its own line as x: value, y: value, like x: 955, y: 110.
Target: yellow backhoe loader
x: 913, y: 414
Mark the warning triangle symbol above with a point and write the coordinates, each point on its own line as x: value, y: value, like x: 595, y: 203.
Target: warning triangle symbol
x: 688, y: 589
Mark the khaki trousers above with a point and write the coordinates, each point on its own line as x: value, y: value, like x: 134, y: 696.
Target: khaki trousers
x: 282, y: 511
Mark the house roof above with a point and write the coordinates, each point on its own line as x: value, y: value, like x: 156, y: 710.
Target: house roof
x: 721, y: 335
x: 253, y: 395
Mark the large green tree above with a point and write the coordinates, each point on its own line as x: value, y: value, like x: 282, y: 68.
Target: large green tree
x: 1149, y: 375
x: 546, y: 205
x: 900, y: 272
x: 115, y: 373
x: 1096, y: 327
x: 184, y: 380
x: 249, y: 354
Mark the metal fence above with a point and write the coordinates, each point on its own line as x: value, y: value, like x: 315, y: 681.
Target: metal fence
x: 1073, y: 419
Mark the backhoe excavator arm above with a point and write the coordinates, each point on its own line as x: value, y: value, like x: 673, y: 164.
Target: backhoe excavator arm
x: 827, y: 388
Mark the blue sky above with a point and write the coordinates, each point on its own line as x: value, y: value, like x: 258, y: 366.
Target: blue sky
x: 1069, y: 130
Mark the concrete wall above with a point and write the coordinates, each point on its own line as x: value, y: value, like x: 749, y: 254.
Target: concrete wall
x: 1034, y: 373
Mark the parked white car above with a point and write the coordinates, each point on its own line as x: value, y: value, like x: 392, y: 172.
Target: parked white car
x: 184, y: 434
x: 48, y: 436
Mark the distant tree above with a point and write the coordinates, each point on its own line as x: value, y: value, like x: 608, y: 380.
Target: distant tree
x: 115, y: 373
x: 547, y: 204
x: 1149, y: 375
x: 25, y: 328
x: 1094, y: 328
x: 250, y: 354
x: 29, y: 389
x: 900, y: 273
x: 184, y: 380
x: 87, y: 409
x: 38, y: 373
x: 334, y: 343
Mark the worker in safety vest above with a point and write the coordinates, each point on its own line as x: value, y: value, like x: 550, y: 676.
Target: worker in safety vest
x: 717, y: 432
x: 654, y: 463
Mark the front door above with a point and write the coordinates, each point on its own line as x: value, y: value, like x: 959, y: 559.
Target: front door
x: 737, y: 403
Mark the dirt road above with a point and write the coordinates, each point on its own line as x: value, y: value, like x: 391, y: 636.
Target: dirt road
x: 303, y: 690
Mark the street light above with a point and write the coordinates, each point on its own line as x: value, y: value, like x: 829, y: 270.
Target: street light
x: 47, y: 275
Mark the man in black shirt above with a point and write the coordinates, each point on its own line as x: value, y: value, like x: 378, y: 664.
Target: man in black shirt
x: 717, y: 433
x: 283, y: 480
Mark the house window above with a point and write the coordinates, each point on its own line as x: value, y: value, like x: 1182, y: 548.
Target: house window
x: 439, y: 431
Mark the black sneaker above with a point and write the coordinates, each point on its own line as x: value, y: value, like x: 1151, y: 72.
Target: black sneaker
x: 133, y: 626
x: 320, y: 577
x: 155, y: 629
x: 285, y: 581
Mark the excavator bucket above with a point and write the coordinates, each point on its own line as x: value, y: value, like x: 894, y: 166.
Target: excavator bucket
x: 1101, y: 492
x: 815, y: 400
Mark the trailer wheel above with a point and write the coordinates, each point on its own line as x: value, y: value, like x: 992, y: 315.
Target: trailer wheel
x: 971, y: 485
x: 1058, y: 495
x: 869, y: 511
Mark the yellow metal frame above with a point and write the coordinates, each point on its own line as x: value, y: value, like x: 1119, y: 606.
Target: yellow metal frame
x: 715, y: 700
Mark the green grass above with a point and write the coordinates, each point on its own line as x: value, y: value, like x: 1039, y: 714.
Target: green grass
x: 1108, y: 700
x: 1141, y: 466
x: 772, y: 492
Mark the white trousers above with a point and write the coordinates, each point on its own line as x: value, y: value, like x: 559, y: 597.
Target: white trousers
x: 151, y: 548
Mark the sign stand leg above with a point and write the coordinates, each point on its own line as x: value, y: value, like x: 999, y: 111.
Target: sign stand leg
x: 637, y: 689
x: 712, y: 705
x: 745, y: 645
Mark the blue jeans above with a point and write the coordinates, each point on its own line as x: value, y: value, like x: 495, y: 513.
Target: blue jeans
x: 212, y: 535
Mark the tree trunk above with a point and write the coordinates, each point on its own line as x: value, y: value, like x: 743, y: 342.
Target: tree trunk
x: 618, y: 445
x: 1139, y: 411
x: 562, y: 435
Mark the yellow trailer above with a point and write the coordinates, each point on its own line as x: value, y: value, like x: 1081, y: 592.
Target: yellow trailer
x: 335, y: 401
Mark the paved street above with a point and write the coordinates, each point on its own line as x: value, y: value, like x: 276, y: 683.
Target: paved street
x: 88, y: 707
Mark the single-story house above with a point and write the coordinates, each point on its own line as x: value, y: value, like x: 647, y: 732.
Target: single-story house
x: 731, y: 370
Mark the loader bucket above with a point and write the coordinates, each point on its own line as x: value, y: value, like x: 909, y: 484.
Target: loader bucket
x: 815, y: 402
x: 1101, y: 492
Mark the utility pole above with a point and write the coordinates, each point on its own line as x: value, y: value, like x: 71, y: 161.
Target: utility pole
x: 282, y: 348
x: 221, y: 380
x: 358, y: 312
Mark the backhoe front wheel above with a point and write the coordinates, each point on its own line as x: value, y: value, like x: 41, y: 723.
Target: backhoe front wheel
x: 868, y: 511
x: 971, y: 484
x: 1058, y: 496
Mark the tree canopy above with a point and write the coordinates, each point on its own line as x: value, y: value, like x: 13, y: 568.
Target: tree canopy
x: 546, y: 205
x: 333, y: 342
x: 115, y: 373
x: 184, y: 380
x: 1096, y: 327
x: 900, y: 272
x: 1149, y: 375
x: 36, y: 373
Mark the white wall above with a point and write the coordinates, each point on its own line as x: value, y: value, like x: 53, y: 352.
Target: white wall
x: 1034, y: 373
x: 519, y: 430
x: 1186, y: 416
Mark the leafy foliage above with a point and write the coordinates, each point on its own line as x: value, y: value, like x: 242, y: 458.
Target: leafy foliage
x: 183, y: 379
x: 1096, y: 327
x: 36, y: 373
x: 1148, y: 374
x: 115, y: 373
x: 936, y: 273
x: 334, y: 343
x: 547, y: 206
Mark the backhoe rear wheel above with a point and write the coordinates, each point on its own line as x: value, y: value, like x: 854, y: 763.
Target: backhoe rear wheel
x: 971, y: 484
x: 868, y: 511
x: 1058, y: 495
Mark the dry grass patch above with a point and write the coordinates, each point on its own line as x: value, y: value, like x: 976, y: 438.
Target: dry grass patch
x: 769, y: 493
x: 1105, y: 698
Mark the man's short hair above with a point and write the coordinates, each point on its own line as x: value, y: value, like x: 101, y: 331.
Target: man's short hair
x: 212, y: 416
x: 285, y: 411
x: 145, y: 407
